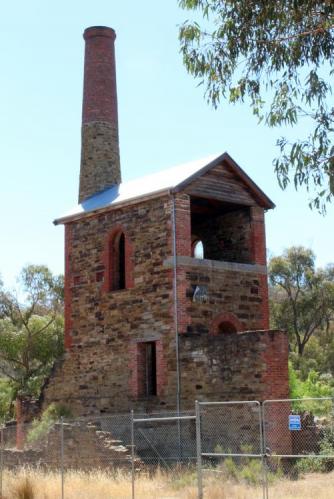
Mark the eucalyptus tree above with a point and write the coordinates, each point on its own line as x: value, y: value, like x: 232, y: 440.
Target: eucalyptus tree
x: 31, y: 329
x: 277, y: 55
x: 302, y: 297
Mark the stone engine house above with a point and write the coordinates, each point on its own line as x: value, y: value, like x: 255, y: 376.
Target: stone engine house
x: 166, y: 297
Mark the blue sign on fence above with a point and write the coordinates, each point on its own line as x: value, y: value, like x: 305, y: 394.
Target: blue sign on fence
x: 294, y: 422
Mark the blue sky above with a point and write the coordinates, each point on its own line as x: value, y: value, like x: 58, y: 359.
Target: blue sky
x: 163, y: 119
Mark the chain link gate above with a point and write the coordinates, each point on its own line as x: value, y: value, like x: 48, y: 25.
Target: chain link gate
x: 229, y: 437
x: 163, y: 441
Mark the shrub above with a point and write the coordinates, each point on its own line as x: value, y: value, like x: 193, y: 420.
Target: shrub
x: 318, y: 464
x: 252, y: 472
x: 315, y: 386
x: 40, y: 427
x: 6, y: 397
x: 183, y: 478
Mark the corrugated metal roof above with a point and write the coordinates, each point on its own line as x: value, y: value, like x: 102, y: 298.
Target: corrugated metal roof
x: 140, y: 187
x: 172, y: 179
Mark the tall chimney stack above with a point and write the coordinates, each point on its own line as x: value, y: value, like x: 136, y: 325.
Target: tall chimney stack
x: 100, y: 161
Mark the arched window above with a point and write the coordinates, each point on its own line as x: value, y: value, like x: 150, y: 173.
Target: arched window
x: 226, y: 323
x: 117, y: 261
x: 197, y: 249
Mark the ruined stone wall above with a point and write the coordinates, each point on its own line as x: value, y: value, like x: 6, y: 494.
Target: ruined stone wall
x: 240, y: 366
x: 85, y: 446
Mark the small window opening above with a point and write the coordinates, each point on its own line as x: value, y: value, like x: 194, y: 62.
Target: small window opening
x: 121, y: 262
x: 117, y: 256
x: 226, y: 328
x: 148, y: 369
x: 198, y: 249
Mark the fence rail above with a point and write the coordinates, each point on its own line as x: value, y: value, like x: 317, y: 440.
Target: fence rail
x: 261, y: 444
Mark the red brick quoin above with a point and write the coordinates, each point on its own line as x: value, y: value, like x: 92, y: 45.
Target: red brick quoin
x: 258, y: 256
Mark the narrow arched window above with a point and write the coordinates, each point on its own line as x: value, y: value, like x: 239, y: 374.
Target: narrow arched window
x: 117, y: 261
x: 121, y: 262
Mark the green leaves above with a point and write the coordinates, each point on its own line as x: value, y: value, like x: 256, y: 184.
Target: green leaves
x: 31, y: 333
x: 279, y: 52
x: 302, y: 297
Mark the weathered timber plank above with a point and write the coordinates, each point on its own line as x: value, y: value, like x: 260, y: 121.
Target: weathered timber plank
x: 220, y: 183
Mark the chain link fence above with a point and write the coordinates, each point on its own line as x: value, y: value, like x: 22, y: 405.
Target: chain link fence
x: 281, y: 448
x: 165, y: 439
x: 165, y: 442
x: 299, y: 443
x: 30, y: 452
x: 229, y: 444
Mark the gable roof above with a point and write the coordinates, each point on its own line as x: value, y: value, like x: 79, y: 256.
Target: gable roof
x: 173, y: 179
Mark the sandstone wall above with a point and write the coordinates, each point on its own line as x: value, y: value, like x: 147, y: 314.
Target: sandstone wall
x: 233, y: 289
x: 104, y: 329
x: 239, y: 366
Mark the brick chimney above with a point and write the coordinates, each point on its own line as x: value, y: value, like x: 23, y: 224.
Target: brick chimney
x: 100, y: 161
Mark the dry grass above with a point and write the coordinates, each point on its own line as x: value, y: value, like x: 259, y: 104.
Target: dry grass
x: 95, y: 485
x: 23, y: 489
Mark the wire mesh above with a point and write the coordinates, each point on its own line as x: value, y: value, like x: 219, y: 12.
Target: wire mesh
x: 99, y: 442
x: 165, y: 439
x: 230, y: 445
x: 165, y: 443
x: 231, y: 428
x: 31, y: 452
x: 287, y: 444
x: 98, y: 449
x: 298, y: 441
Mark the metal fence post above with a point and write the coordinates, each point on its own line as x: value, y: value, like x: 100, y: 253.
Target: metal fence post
x: 132, y: 455
x: 265, y: 446
x: 199, y: 450
x: 263, y: 451
x: 1, y: 460
x: 62, y: 455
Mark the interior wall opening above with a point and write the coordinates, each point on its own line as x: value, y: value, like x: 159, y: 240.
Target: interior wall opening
x: 224, y: 230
